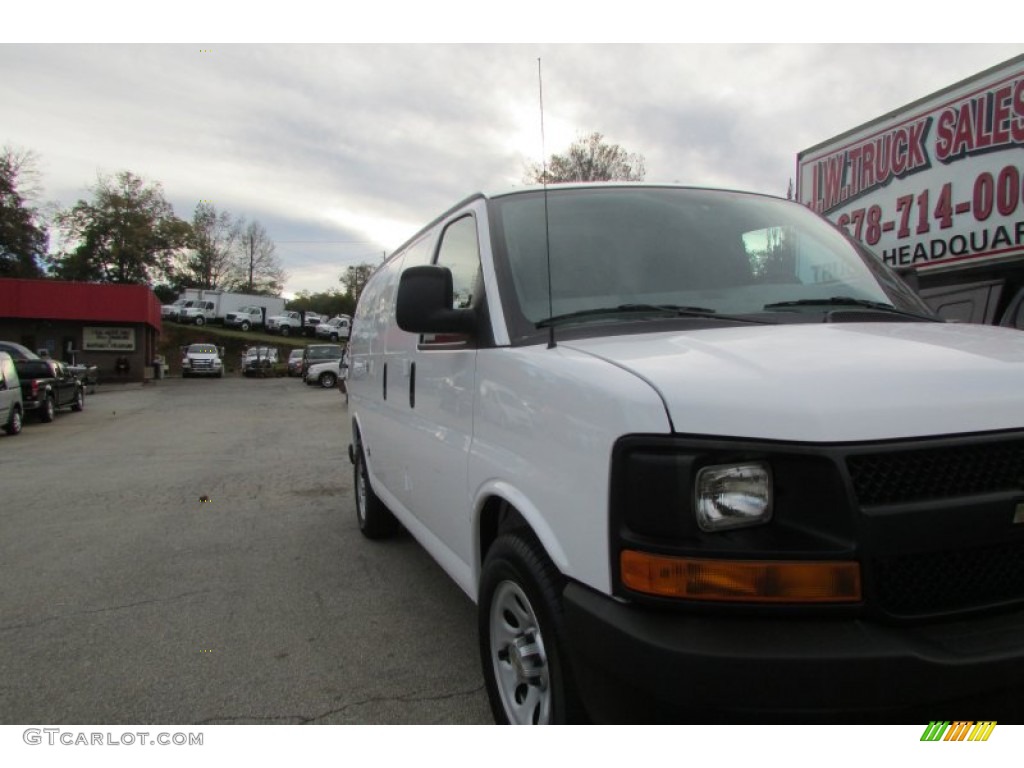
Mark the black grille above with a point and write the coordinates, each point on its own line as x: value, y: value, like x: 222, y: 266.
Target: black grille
x: 937, y: 473
x: 938, y: 582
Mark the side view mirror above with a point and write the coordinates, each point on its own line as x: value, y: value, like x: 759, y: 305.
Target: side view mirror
x: 424, y: 303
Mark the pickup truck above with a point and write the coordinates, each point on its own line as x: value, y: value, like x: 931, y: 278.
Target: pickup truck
x: 202, y: 359
x: 47, y: 385
x: 286, y: 323
x: 249, y: 316
x: 334, y: 329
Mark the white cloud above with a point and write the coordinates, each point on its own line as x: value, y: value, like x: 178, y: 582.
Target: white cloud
x: 355, y: 146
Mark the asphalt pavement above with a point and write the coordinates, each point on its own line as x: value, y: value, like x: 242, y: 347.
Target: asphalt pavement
x: 186, y: 552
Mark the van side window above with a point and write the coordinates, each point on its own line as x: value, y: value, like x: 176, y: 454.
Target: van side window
x: 460, y: 252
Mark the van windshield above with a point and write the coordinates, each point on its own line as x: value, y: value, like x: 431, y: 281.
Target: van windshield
x: 692, y: 251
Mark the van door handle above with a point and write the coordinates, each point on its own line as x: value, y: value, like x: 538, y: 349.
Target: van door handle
x: 385, y: 378
x: 412, y: 385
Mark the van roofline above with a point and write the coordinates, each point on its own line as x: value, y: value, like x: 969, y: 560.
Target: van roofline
x: 530, y: 188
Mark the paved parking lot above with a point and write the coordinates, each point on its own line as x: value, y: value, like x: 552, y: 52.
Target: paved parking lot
x: 127, y: 599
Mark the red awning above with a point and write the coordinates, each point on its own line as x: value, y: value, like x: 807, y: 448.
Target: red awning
x: 89, y: 302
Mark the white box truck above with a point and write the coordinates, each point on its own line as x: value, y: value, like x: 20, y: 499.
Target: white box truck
x: 214, y: 306
x: 935, y: 189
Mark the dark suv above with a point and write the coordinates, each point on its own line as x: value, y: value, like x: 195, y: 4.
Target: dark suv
x: 320, y: 353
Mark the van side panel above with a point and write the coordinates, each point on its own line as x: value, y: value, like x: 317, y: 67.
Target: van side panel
x: 545, y: 422
x: 367, y: 371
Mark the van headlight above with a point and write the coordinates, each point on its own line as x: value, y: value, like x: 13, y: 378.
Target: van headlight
x: 733, y: 496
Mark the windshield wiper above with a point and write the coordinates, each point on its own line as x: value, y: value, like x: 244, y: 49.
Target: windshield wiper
x: 850, y: 301
x: 671, y: 310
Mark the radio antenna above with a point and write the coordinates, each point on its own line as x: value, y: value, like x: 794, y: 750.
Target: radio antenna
x: 544, y: 183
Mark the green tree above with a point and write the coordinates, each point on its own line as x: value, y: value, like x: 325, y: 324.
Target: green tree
x: 257, y: 268
x: 127, y: 233
x: 354, y: 280
x: 589, y: 158
x: 215, y: 235
x: 330, y: 303
x: 23, y: 238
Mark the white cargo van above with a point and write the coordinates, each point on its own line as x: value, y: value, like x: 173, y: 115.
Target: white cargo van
x: 695, y: 454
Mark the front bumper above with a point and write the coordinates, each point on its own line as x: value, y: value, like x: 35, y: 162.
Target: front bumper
x: 640, y: 665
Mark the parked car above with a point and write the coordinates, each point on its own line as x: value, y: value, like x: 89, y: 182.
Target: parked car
x: 259, y: 361
x: 18, y: 351
x: 47, y: 386
x: 11, y: 408
x: 326, y: 374
x: 89, y: 375
x: 738, y: 468
x: 320, y: 353
x: 295, y: 362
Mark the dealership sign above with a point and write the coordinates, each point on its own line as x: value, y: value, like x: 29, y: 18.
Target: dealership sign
x: 938, y: 182
x: 95, y: 339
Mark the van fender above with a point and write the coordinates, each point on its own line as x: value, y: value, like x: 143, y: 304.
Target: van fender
x: 527, y: 510
x: 357, y: 439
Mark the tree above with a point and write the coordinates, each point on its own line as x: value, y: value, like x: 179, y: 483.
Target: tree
x: 330, y: 303
x: 23, y: 239
x: 589, y: 158
x: 355, y: 279
x: 127, y: 233
x: 214, y: 239
x: 257, y: 268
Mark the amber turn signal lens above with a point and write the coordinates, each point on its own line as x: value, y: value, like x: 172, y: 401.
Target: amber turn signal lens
x: 753, y: 581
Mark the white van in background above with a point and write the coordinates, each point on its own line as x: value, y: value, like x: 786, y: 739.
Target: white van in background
x: 696, y: 455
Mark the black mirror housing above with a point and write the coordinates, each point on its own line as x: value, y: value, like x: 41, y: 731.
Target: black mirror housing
x: 424, y: 303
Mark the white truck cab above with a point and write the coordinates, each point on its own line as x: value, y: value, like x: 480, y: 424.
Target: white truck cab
x: 694, y: 454
x: 202, y: 359
x: 198, y: 312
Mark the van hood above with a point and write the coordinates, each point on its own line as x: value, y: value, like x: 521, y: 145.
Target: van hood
x: 829, y: 382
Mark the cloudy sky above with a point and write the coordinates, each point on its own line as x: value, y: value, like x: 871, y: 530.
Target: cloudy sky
x: 343, y: 151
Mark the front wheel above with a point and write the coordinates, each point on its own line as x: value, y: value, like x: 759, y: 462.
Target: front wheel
x: 79, y: 403
x: 526, y: 669
x: 13, y: 425
x: 245, y: 325
x: 200, y: 320
x: 327, y: 380
x: 374, y: 518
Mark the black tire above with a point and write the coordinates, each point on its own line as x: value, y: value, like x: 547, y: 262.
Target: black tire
x: 13, y: 425
x: 245, y: 325
x: 374, y: 518
x: 334, y: 337
x: 525, y: 665
x: 79, y: 403
x: 200, y: 320
x: 327, y: 380
x: 48, y: 411
x: 285, y: 330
